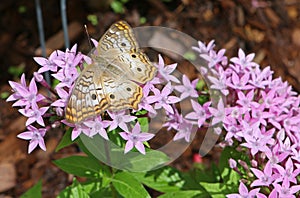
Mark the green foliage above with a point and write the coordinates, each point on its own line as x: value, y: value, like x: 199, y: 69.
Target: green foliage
x: 93, y: 19
x: 118, y: 6
x: 35, y: 191
x: 65, y: 141
x: 4, y: 95
x: 190, y: 55
x: 74, y: 191
x: 136, y: 174
x: 81, y: 166
x: 128, y: 186
x: 143, y: 20
x: 22, y: 9
x: 16, y: 71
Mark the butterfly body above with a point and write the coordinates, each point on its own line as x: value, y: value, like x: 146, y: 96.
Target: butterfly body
x: 111, y: 81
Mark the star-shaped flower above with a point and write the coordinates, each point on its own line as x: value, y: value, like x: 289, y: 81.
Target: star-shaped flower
x: 34, y: 114
x: 119, y: 119
x: 97, y: 126
x: 164, y: 71
x: 188, y: 88
x: 136, y: 139
x: 162, y: 99
x: 35, y: 136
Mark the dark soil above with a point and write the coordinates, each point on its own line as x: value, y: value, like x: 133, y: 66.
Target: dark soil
x: 271, y: 30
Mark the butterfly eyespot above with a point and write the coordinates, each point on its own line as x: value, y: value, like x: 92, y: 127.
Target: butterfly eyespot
x: 112, y: 96
x: 123, y: 44
x: 133, y: 55
x: 94, y: 96
x: 139, y: 69
x: 128, y: 89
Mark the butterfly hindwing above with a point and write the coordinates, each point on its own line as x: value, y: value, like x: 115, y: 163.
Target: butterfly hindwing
x: 87, y: 98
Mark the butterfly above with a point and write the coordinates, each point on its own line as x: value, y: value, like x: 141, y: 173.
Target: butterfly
x: 111, y: 81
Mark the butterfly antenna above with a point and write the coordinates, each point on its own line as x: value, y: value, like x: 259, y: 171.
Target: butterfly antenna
x: 88, y: 36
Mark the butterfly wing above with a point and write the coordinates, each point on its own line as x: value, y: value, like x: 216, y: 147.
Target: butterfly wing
x: 109, y: 82
x: 119, y: 46
x: 122, y: 93
x: 119, y: 36
x: 87, y: 98
x: 97, y: 90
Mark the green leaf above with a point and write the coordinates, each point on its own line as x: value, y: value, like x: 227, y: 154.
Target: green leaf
x: 80, y: 166
x: 65, y: 141
x: 128, y: 186
x: 16, y: 70
x: 141, y: 112
x: 97, y: 188
x: 144, y: 123
x: 143, y: 20
x: 185, y: 193
x: 93, y: 19
x: 35, y: 191
x: 190, y: 55
x: 216, y: 190
x: 228, y: 175
x: 117, y: 7
x: 166, y: 179
x: 74, y: 191
x: 200, y: 85
x: 112, y: 154
x: 4, y: 95
x: 22, y: 9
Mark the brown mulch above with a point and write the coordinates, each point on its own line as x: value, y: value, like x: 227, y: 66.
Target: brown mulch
x: 271, y: 30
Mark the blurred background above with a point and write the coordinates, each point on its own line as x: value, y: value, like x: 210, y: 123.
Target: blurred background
x: 271, y: 29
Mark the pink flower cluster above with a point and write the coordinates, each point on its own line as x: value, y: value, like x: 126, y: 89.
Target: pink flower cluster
x: 159, y: 93
x: 263, y: 115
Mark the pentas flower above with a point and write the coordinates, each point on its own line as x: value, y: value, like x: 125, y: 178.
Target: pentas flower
x: 264, y: 178
x: 48, y: 64
x: 219, y: 82
x: 24, y: 95
x: 218, y: 113
x: 215, y: 58
x: 163, y: 99
x: 188, y: 88
x: 164, y: 72
x: 261, y: 114
x: 78, y: 129
x: 173, y: 120
x: 119, y: 119
x: 16, y: 86
x: 34, y: 114
x: 184, y: 130
x: 97, y: 126
x: 36, y: 137
x: 200, y: 113
x: 66, y: 77
x: 135, y: 138
x: 203, y: 49
x: 244, y: 192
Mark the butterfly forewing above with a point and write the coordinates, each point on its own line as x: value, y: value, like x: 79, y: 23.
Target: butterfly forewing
x: 119, y: 36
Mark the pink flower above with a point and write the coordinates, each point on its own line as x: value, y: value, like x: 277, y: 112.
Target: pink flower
x: 164, y: 71
x: 119, y: 119
x: 135, y: 138
x: 34, y: 114
x: 162, y: 99
x: 36, y: 137
x: 188, y: 89
x: 97, y: 126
